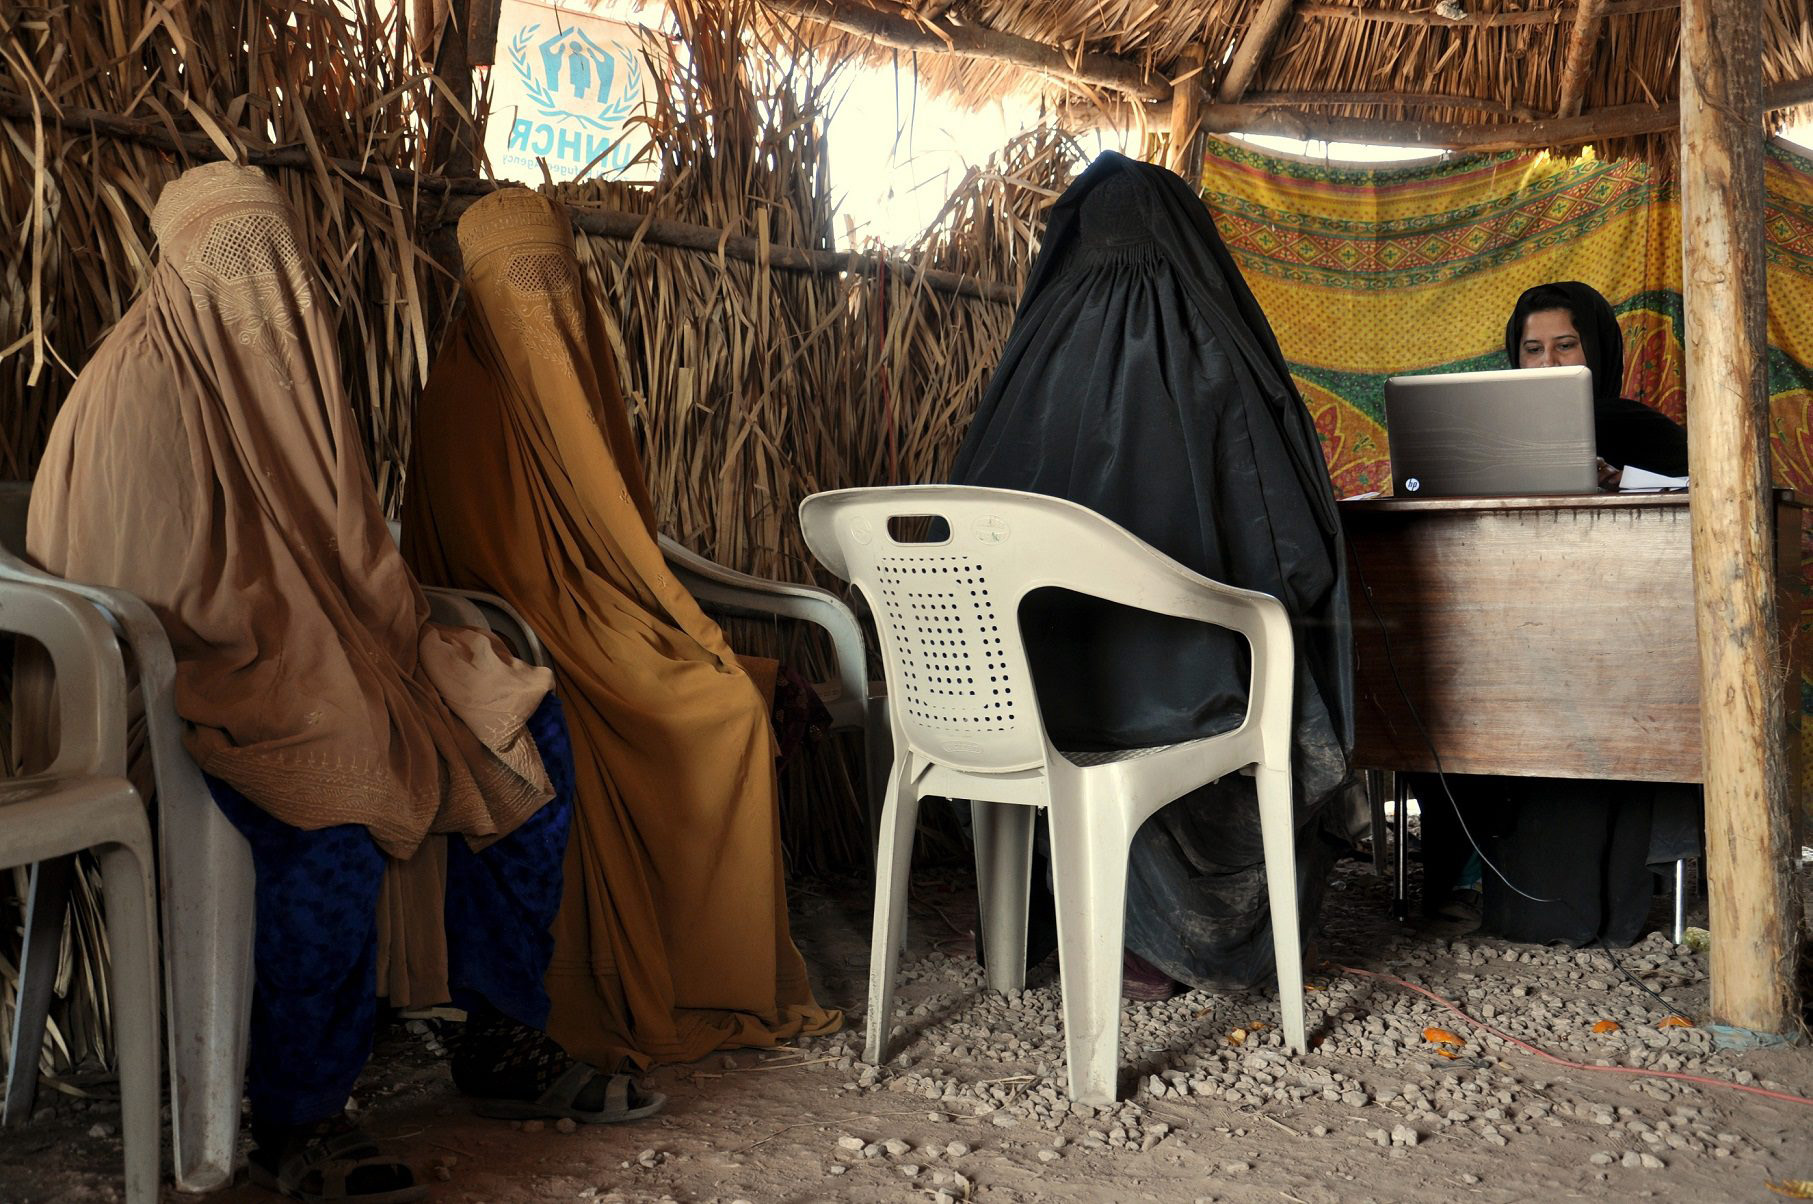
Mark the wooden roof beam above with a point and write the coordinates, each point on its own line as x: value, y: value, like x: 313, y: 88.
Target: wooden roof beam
x: 1589, y: 23
x: 1542, y: 16
x: 1254, y: 45
x: 945, y: 36
x: 1598, y: 125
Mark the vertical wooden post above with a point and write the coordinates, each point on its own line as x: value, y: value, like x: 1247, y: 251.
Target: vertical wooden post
x: 1186, y: 116
x: 1754, y: 928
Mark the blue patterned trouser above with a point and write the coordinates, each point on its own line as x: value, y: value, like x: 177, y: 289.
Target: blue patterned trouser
x: 314, y: 996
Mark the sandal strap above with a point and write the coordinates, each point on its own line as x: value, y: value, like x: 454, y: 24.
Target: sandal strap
x: 565, y: 1089
x: 617, y: 1094
x: 335, y: 1159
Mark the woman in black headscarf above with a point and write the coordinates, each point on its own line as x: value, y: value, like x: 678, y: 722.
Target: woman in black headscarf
x: 1568, y: 858
x: 1142, y: 381
x: 1567, y: 322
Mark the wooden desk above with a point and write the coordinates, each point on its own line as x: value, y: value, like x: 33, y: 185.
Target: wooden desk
x: 1538, y: 637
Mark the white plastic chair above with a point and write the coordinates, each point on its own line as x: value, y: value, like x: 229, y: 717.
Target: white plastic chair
x: 966, y: 725
x: 83, y: 801
x: 205, y: 879
x: 854, y: 703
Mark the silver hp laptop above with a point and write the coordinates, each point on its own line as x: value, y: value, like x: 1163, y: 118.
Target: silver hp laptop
x: 1502, y: 433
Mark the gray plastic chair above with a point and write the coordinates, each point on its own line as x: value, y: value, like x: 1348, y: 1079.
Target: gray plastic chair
x: 853, y: 701
x: 83, y: 801
x: 966, y: 725
x: 205, y: 871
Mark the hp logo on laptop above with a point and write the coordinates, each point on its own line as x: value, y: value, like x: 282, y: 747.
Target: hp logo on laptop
x: 1412, y: 485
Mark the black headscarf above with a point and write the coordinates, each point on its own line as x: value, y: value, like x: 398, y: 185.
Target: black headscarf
x: 1628, y: 432
x: 1142, y: 380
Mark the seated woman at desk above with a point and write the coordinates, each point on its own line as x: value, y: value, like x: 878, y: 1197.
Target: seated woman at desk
x: 1568, y: 858
x: 1567, y: 322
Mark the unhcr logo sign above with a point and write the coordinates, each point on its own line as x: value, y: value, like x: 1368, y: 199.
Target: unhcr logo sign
x: 563, y: 93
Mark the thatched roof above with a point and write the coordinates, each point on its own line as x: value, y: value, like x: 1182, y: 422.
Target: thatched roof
x: 1475, y: 74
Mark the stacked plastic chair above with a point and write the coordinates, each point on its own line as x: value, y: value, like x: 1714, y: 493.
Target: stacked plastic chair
x: 82, y: 801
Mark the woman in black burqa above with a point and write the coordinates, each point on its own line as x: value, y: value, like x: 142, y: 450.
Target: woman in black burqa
x: 1142, y: 381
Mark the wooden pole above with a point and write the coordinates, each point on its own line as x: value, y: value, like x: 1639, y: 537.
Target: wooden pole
x: 1254, y: 45
x: 1186, y: 106
x: 456, y: 194
x: 1281, y: 114
x: 980, y: 42
x: 481, y: 31
x: 1589, y: 23
x: 1540, y: 16
x: 1754, y: 919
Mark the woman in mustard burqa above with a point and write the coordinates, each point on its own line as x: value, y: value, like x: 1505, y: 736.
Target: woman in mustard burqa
x: 672, y: 938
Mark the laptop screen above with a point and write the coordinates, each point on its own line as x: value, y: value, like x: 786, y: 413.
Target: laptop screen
x: 1504, y: 433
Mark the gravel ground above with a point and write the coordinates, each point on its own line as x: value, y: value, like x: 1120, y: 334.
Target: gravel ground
x: 973, y: 1106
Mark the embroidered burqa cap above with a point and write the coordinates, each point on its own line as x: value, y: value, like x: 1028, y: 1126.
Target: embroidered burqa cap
x: 673, y: 937
x: 206, y: 461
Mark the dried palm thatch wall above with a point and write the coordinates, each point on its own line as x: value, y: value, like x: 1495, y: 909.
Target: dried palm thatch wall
x: 751, y: 384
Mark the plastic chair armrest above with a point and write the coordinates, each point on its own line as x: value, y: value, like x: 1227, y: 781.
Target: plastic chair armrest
x: 727, y: 591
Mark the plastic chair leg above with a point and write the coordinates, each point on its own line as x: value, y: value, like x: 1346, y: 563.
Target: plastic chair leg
x: 131, y: 924
x: 1004, y: 834
x: 1278, y: 832
x: 878, y: 756
x: 47, y: 902
x: 1089, y: 870
x: 899, y: 820
x: 208, y: 925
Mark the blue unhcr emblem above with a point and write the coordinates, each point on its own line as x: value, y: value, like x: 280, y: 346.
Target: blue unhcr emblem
x: 572, y: 78
x: 583, y: 92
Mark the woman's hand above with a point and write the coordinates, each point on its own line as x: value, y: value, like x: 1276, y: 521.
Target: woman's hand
x: 1609, y: 477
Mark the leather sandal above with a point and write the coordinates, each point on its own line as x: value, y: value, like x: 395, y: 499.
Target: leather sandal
x: 623, y: 1100
x: 334, y: 1163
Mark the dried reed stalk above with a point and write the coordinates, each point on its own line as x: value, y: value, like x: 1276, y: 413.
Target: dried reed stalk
x: 750, y: 387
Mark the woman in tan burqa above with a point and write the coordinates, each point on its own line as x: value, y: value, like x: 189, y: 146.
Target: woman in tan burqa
x: 672, y: 938
x: 206, y: 461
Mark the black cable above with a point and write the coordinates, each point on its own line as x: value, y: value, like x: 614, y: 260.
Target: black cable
x: 1428, y: 743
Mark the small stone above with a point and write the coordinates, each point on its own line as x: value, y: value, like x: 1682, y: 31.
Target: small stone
x: 533, y: 1126
x: 443, y: 1174
x: 1237, y: 1168
x: 1651, y: 1162
x: 566, y: 1124
x: 895, y: 1147
x: 1602, y: 1159
x: 836, y: 1169
x: 957, y: 1149
x: 1631, y: 1159
x: 1469, y: 1178
x: 909, y: 1169
x: 1049, y: 1155
x: 100, y: 1129
x: 851, y: 1143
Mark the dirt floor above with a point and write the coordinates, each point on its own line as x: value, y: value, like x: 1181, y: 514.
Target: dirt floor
x: 972, y: 1106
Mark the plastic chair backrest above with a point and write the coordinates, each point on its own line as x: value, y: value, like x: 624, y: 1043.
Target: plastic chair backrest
x: 959, y: 685
x: 90, y: 677
x: 948, y: 611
